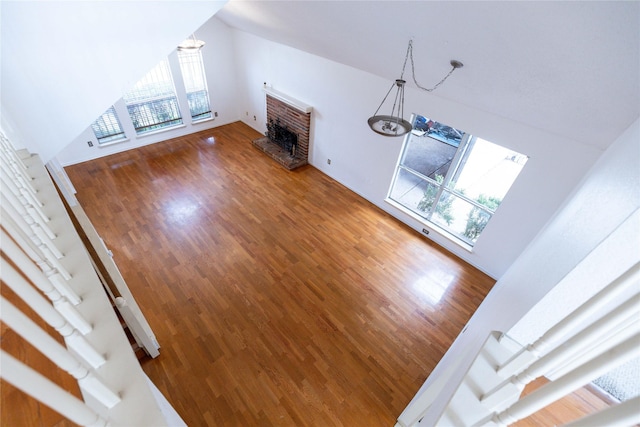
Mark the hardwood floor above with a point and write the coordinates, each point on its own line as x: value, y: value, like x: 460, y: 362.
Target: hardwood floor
x: 279, y: 298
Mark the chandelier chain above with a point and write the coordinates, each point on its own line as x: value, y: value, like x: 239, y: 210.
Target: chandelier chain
x: 408, y: 56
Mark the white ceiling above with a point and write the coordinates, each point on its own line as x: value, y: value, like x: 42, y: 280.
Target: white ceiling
x: 569, y: 68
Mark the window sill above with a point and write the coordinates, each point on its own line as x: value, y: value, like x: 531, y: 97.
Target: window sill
x: 157, y: 131
x: 110, y: 143
x: 208, y: 119
x: 431, y: 226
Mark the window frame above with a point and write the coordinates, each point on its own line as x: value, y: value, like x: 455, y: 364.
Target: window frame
x: 463, y: 152
x: 151, y: 101
x: 185, y: 70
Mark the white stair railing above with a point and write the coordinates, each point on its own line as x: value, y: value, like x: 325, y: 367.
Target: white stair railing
x: 623, y: 320
x: 489, y: 394
x: 24, y: 290
x: 46, y: 391
x: 51, y: 273
x: 45, y: 344
x: 18, y: 212
x: 578, y: 317
x: 41, y: 254
x: 567, y: 384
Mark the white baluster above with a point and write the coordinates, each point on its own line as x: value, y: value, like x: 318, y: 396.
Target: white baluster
x: 29, y: 200
x: 47, y: 392
x: 559, y: 388
x: 51, y: 274
x: 18, y: 166
x: 28, y: 214
x: 595, y: 333
x: 32, y: 272
x: 56, y: 320
x: 20, y: 286
x: 36, y: 235
x: 15, y: 171
x: 624, y: 414
x: 623, y: 331
x: 7, y: 149
x: 55, y: 352
x: 577, y: 317
x: 8, y: 182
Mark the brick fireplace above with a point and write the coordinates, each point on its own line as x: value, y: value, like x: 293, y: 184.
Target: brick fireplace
x: 286, y: 115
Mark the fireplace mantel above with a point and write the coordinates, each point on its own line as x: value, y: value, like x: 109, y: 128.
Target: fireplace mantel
x: 299, y: 105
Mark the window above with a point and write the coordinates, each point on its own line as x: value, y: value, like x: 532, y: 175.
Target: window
x: 452, y: 179
x: 196, y: 84
x: 152, y: 102
x: 107, y: 128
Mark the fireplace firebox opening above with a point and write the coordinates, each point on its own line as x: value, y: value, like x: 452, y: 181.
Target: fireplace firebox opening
x: 282, y: 136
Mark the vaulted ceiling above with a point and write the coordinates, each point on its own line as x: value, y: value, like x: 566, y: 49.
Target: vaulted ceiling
x: 569, y: 68
x: 64, y: 62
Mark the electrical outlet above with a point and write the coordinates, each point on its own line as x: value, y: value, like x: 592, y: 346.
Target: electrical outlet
x: 328, y: 161
x: 246, y: 112
x: 425, y: 231
x: 215, y: 114
x: 254, y: 118
x: 90, y: 143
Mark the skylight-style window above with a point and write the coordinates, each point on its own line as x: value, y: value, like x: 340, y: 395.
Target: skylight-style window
x: 195, y: 82
x: 152, y: 102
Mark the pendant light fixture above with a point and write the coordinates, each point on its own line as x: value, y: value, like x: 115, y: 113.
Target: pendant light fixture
x: 190, y: 45
x: 394, y: 124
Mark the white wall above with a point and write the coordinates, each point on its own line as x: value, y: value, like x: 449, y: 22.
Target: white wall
x: 343, y: 98
x: 219, y: 65
x: 65, y: 62
x: 605, y: 205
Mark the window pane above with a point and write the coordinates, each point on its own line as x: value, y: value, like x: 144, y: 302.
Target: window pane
x: 107, y: 127
x: 199, y: 105
x: 152, y: 102
x: 414, y: 193
x: 427, y: 155
x: 461, y: 218
x: 195, y: 82
x: 157, y: 114
x: 489, y: 171
x: 423, y: 126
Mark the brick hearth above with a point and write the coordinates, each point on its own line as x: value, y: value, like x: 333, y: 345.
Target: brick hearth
x: 298, y: 122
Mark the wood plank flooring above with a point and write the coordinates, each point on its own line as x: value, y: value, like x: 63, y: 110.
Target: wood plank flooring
x: 279, y: 298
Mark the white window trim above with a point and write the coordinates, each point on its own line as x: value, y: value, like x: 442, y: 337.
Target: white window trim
x: 430, y: 225
x: 157, y: 131
x: 208, y: 119
x: 110, y: 143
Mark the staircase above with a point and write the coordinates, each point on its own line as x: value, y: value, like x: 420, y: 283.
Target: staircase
x: 490, y: 392
x: 47, y: 266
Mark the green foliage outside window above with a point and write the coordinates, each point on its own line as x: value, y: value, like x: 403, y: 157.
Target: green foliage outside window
x: 443, y: 208
x: 478, y: 219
